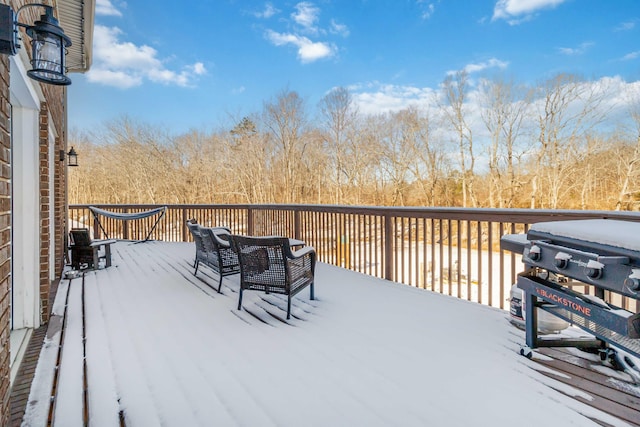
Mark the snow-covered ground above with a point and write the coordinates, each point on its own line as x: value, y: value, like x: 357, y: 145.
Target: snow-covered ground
x: 163, y: 348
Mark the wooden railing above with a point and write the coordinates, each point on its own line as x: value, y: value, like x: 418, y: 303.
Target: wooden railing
x: 454, y: 251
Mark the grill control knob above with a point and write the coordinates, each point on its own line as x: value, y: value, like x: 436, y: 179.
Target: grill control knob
x: 562, y: 260
x: 534, y: 253
x: 594, y: 269
x: 594, y: 273
x: 632, y: 283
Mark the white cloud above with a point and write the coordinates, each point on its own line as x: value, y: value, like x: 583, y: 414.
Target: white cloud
x: 308, y: 51
x: 339, y: 29
x: 517, y: 11
x: 491, y: 63
x: 198, y: 68
x: 377, y: 98
x: 618, y: 96
x: 105, y: 8
x: 427, y: 8
x: 626, y: 26
x: 119, y: 79
x: 632, y: 55
x: 268, y: 11
x: 481, y: 66
x: 306, y: 15
x: 124, y: 64
x: 572, y: 51
x: 238, y: 90
x: 303, y: 28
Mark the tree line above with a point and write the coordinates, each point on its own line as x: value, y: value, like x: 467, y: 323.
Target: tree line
x: 565, y: 143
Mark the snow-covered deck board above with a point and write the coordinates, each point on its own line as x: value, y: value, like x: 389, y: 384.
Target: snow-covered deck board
x: 164, y: 348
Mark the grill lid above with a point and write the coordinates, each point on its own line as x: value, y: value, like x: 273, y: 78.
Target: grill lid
x: 590, y: 233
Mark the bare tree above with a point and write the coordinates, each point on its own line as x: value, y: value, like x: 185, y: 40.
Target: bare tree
x: 455, y: 89
x: 251, y: 159
x: 629, y: 159
x: 339, y: 117
x: 285, y: 123
x: 415, y: 160
x: 365, y: 183
x: 505, y: 108
x: 568, y: 109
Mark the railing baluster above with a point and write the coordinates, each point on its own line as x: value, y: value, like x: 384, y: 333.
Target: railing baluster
x: 388, y: 242
x: 469, y: 271
x: 449, y: 260
x: 388, y: 247
x: 490, y: 261
x: 502, y: 287
x: 459, y: 259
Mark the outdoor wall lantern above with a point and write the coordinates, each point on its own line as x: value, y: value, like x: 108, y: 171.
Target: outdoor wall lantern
x: 48, y: 43
x: 72, y: 155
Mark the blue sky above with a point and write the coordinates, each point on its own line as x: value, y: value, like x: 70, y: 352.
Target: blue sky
x: 204, y: 64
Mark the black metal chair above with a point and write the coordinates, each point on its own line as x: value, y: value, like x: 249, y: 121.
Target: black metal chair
x: 85, y: 251
x: 218, y: 253
x: 197, y: 239
x: 268, y: 264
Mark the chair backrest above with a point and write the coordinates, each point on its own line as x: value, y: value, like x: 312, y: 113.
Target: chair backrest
x: 194, y: 229
x: 80, y: 237
x: 262, y: 256
x: 207, y: 240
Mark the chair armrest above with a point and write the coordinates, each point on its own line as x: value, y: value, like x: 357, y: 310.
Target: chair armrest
x: 221, y: 229
x: 102, y: 242
x: 301, y: 252
x: 222, y: 237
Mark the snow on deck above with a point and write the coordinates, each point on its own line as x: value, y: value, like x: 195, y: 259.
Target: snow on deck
x: 164, y: 348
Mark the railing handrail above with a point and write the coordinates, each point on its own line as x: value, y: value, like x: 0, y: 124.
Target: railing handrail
x: 435, y: 212
x: 444, y: 249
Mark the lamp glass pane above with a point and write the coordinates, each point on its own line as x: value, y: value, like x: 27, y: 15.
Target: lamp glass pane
x: 47, y: 60
x: 47, y: 53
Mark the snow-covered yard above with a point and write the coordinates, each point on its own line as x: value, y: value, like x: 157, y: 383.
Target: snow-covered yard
x: 163, y: 348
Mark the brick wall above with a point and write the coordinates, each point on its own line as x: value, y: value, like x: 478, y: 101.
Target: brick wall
x: 51, y: 203
x: 59, y: 207
x: 52, y: 114
x: 59, y: 202
x: 45, y: 203
x: 56, y: 106
x: 5, y: 238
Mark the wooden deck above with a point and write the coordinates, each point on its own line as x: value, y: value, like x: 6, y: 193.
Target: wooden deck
x: 608, y: 390
x: 583, y: 376
x: 79, y: 394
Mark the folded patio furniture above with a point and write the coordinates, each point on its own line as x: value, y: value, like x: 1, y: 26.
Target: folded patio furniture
x: 128, y: 216
x: 268, y: 264
x: 85, y: 251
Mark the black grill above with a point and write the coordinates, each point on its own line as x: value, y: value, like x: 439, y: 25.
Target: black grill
x: 604, y: 254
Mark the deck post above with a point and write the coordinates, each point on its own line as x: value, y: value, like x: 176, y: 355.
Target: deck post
x: 296, y: 224
x: 249, y: 222
x: 184, y: 225
x: 388, y: 247
x: 96, y: 229
x: 125, y: 226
